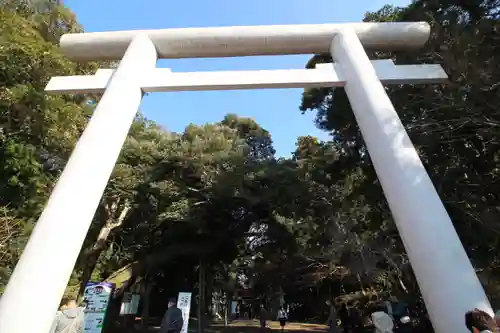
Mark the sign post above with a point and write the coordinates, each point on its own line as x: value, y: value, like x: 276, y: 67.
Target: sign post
x: 96, y: 296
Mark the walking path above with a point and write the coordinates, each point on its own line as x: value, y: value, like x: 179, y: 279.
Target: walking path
x: 253, y: 326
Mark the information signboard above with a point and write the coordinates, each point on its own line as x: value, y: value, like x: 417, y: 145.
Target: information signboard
x: 96, y: 296
x: 184, y: 304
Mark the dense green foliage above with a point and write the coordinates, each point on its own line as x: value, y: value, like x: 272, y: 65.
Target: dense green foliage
x: 214, y: 203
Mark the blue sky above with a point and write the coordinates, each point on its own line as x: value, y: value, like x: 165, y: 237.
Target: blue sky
x: 275, y: 110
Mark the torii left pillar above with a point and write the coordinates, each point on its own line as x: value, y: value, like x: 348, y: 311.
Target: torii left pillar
x: 79, y: 189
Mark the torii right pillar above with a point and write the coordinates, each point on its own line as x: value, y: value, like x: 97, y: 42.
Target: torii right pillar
x: 447, y: 280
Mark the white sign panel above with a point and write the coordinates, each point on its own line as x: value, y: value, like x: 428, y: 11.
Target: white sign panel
x: 184, y: 304
x: 234, y: 305
x: 97, y: 296
x: 134, y: 305
x: 130, y: 304
x: 125, y: 306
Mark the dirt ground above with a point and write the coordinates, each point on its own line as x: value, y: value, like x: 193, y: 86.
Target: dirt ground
x: 253, y: 326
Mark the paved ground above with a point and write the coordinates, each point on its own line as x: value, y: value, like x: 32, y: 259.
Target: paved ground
x: 253, y: 326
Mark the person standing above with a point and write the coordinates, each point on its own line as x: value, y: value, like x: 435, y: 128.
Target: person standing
x: 69, y: 319
x: 332, y: 318
x: 345, y: 318
x: 282, y: 317
x: 237, y: 311
x: 172, y: 321
x: 263, y: 316
x: 356, y: 318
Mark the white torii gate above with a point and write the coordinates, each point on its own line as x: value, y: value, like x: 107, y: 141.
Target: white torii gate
x: 445, y: 275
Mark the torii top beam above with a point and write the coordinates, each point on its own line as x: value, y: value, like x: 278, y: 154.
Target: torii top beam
x: 244, y: 40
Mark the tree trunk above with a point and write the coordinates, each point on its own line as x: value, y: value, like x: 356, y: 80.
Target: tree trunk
x: 229, y: 304
x: 91, y: 257
x: 225, y: 310
x: 229, y: 286
x: 201, y: 296
x: 210, y: 294
x: 113, y: 314
x: 146, y: 297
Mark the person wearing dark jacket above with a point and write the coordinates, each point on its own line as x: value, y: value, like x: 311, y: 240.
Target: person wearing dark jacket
x: 332, y: 318
x: 263, y: 316
x: 345, y: 318
x: 172, y: 320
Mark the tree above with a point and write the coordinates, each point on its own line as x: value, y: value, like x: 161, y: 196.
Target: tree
x: 258, y: 139
x: 37, y: 131
x: 212, y: 209
x: 453, y: 126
